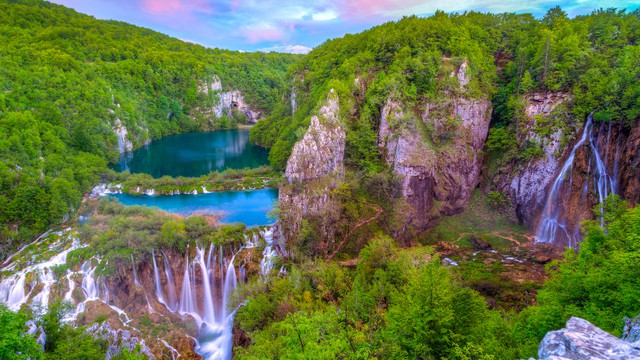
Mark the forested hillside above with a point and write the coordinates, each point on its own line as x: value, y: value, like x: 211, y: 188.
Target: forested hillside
x: 593, y: 57
x: 67, y: 81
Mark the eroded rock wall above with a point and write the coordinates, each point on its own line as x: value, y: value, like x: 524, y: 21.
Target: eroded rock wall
x: 435, y: 155
x: 525, y: 184
x: 314, y: 169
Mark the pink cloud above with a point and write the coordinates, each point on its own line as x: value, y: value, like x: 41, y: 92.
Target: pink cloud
x: 264, y: 32
x: 175, y: 7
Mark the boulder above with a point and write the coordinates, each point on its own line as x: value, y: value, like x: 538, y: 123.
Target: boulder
x: 583, y: 340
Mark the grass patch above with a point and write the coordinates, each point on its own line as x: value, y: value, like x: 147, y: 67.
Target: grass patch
x: 479, y: 220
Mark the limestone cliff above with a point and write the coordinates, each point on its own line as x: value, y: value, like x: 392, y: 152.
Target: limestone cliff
x: 223, y: 102
x: 313, y: 170
x: 435, y: 152
x: 525, y: 184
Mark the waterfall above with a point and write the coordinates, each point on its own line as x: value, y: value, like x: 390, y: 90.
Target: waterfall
x: 187, y: 295
x: 172, y: 288
x: 230, y: 283
x: 156, y: 278
x: 209, y: 315
x: 268, y: 254
x: 135, y: 272
x: 553, y: 226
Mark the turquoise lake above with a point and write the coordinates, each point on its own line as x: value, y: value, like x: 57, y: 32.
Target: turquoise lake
x: 195, y: 154
x: 249, y: 207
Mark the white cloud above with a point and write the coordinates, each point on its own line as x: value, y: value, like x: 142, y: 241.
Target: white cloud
x: 291, y: 49
x: 324, y: 16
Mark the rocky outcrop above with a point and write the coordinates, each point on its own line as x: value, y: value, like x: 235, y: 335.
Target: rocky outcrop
x: 525, y: 184
x: 314, y: 169
x: 321, y: 151
x: 631, y: 331
x: 582, y: 340
x: 436, y: 156
x: 225, y: 102
x: 118, y: 340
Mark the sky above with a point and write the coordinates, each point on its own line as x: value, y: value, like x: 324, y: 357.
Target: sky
x: 297, y: 26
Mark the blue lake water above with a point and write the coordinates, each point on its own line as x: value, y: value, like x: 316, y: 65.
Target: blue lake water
x: 249, y: 207
x: 195, y: 154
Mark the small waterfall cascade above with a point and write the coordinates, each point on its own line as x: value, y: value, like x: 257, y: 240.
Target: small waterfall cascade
x: 208, y: 280
x: 135, y: 273
x: 554, y: 227
x: 170, y: 284
x: 156, y: 280
x: 15, y: 292
x: 268, y: 254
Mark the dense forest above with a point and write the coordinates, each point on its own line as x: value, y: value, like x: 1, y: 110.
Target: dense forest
x: 67, y: 80
x: 403, y: 304
x: 594, y: 57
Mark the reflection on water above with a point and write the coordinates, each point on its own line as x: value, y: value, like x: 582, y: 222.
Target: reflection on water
x: 194, y: 154
x: 249, y: 207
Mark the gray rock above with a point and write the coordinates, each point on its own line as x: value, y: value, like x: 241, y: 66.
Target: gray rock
x: 321, y: 151
x: 314, y: 169
x: 118, y: 340
x: 582, y: 340
x: 435, y: 179
x: 631, y: 331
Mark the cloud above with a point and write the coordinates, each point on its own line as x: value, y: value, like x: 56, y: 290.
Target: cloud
x: 175, y: 7
x: 265, y: 24
x: 263, y: 32
x: 291, y: 49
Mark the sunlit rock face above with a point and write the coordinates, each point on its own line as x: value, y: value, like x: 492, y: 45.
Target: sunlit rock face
x: 225, y: 102
x: 582, y: 340
x: 435, y: 152
x: 315, y: 167
x: 321, y: 151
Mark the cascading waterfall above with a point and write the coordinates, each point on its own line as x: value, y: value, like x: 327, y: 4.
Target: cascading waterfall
x: 135, y: 273
x: 208, y: 281
x: 170, y: 284
x: 156, y: 278
x: 268, y: 254
x: 205, y: 296
x: 553, y: 226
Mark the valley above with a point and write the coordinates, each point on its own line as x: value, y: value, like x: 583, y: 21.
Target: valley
x: 454, y: 186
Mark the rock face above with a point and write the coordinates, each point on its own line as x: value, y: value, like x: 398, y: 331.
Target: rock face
x: 526, y: 184
x: 582, y: 340
x: 226, y: 101
x: 314, y: 169
x: 631, y: 331
x: 321, y: 151
x: 436, y: 156
x: 629, y: 173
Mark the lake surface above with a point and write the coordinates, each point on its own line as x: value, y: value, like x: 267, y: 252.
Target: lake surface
x: 195, y: 154
x: 249, y: 207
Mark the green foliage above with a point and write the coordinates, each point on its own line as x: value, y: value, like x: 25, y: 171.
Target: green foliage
x: 64, y: 341
x: 67, y: 79
x: 598, y: 283
x: 15, y: 344
x: 402, y: 304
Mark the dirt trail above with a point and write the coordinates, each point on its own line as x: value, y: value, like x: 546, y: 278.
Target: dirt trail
x: 358, y: 225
